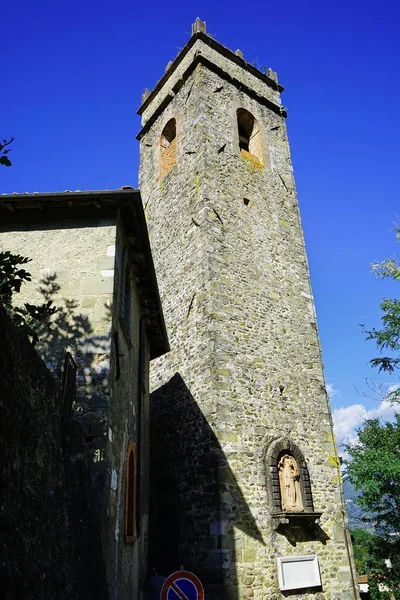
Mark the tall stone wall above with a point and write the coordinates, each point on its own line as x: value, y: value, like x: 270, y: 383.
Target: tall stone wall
x: 36, y: 547
x: 230, y: 258
x: 74, y: 255
x: 127, y: 419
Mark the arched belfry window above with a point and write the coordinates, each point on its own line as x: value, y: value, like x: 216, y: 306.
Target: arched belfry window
x: 290, y: 480
x: 250, y: 143
x: 130, y: 530
x: 168, y: 147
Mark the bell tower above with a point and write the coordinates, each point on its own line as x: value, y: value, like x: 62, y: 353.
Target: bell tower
x: 246, y: 487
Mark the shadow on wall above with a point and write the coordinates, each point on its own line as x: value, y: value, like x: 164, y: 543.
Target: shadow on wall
x: 85, y: 434
x: 189, y: 526
x: 72, y: 331
x: 83, y: 439
x: 49, y: 542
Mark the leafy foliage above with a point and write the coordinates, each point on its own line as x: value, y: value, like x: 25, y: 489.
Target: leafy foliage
x: 370, y: 552
x: 388, y: 338
x: 374, y: 462
x: 374, y: 468
x: 30, y: 317
x: 4, y: 151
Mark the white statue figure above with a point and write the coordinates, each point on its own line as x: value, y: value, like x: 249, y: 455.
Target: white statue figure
x: 289, y: 483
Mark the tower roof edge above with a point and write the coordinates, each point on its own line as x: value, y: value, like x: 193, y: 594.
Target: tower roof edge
x: 226, y: 52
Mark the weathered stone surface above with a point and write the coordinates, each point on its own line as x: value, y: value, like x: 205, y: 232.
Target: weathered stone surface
x: 36, y: 549
x: 76, y: 260
x: 245, y: 366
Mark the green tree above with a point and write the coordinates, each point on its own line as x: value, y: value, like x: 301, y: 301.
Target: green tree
x: 30, y: 317
x: 4, y: 151
x: 374, y: 468
x: 366, y: 555
x: 370, y: 557
x: 388, y: 337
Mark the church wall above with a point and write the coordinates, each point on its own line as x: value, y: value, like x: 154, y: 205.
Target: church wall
x: 32, y: 476
x: 77, y: 263
x: 239, y: 310
x: 127, y: 420
x: 72, y: 264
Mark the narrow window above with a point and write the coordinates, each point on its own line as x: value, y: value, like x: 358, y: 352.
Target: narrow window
x: 168, y: 147
x: 130, y: 532
x: 125, y: 293
x: 249, y: 136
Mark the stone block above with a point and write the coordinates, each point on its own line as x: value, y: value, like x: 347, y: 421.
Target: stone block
x: 343, y: 575
x: 248, y: 555
x: 227, y: 436
x: 89, y: 302
x: 97, y: 285
x: 105, y: 263
x: 338, y: 532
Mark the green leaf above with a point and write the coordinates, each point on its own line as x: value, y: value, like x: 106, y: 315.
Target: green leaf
x: 5, y: 161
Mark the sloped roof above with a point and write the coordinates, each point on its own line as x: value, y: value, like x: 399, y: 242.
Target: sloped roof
x: 125, y: 201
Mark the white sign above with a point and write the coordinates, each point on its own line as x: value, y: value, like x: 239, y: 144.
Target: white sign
x: 114, y: 479
x: 297, y: 572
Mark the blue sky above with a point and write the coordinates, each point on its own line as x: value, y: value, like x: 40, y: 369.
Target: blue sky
x: 72, y: 75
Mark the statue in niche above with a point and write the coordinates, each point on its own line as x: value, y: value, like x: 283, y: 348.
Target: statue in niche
x: 289, y: 483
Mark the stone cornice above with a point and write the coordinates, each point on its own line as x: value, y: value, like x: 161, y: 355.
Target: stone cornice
x: 203, y: 60
x: 206, y: 39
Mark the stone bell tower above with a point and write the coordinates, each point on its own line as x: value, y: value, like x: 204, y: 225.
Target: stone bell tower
x: 246, y: 488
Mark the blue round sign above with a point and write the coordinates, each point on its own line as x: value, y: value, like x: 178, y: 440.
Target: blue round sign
x: 182, y: 585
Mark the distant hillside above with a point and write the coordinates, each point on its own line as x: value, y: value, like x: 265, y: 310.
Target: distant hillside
x: 355, y: 512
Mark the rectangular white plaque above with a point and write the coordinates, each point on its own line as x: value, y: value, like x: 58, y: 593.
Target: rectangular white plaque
x: 297, y: 572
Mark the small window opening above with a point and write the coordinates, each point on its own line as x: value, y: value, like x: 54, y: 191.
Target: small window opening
x: 249, y: 135
x: 130, y: 532
x: 125, y: 293
x: 168, y: 147
x: 246, y: 201
x: 127, y: 298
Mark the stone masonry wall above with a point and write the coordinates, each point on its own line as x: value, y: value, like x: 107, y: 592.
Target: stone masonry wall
x: 128, y: 418
x: 33, y: 485
x: 72, y: 264
x: 235, y: 288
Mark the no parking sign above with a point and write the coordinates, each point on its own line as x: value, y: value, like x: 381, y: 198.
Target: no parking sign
x: 182, y: 585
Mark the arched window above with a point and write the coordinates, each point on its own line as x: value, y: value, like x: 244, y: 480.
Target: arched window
x: 130, y: 530
x: 168, y: 147
x: 290, y: 480
x: 125, y: 295
x: 249, y: 135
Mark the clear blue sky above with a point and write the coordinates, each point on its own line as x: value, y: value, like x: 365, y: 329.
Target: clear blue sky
x: 72, y: 74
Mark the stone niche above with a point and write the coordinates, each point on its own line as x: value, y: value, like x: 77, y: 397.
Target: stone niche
x: 290, y: 486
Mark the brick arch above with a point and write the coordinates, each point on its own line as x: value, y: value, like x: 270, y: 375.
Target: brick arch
x: 168, y: 146
x: 278, y: 448
x: 249, y: 132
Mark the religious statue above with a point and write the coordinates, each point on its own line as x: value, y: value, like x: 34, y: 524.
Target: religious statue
x: 289, y: 482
